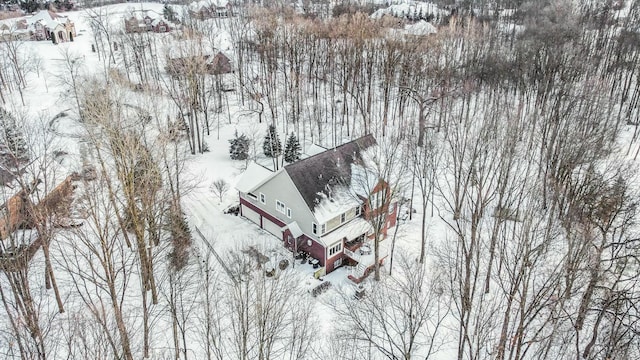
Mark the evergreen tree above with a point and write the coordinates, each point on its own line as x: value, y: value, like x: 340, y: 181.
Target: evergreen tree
x: 168, y: 13
x: 272, y: 146
x: 292, y: 149
x: 180, y: 239
x: 239, y: 148
x: 15, y: 146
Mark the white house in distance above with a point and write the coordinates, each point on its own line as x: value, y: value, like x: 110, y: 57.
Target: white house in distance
x: 208, y: 9
x: 320, y: 205
x: 48, y: 25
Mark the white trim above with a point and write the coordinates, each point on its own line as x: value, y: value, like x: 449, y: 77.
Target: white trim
x: 281, y: 207
x: 335, y: 250
x: 263, y: 198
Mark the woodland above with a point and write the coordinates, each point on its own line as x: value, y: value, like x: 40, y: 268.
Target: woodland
x: 510, y: 141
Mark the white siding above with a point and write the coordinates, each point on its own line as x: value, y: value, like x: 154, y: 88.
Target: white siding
x: 272, y: 228
x: 251, y: 215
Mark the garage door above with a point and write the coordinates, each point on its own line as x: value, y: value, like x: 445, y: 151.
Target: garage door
x: 251, y: 215
x: 272, y: 228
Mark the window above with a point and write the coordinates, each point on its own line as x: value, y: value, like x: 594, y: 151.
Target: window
x: 252, y: 196
x: 373, y: 199
x: 163, y: 29
x: 359, y: 211
x: 376, y: 199
x: 336, y: 249
x: 263, y: 199
x: 314, y: 228
x: 343, y: 218
x: 323, y: 228
x: 280, y: 206
x: 289, y: 213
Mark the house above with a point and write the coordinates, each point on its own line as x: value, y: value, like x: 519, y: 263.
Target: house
x: 10, y: 33
x: 199, y: 64
x: 20, y: 212
x: 159, y: 25
x: 197, y: 55
x: 48, y: 25
x: 208, y: 9
x: 323, y: 206
x: 147, y: 20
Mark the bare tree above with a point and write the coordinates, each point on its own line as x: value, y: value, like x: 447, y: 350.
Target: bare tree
x: 400, y: 318
x: 219, y: 188
x: 381, y: 178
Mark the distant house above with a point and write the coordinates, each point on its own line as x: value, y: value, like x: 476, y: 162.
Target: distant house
x: 207, y: 9
x: 197, y: 55
x: 200, y: 64
x: 48, y: 25
x: 143, y: 21
x: 321, y: 206
x: 160, y: 26
x: 8, y: 33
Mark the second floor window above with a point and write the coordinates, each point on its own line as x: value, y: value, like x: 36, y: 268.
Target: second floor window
x: 343, y: 218
x: 377, y: 199
x: 280, y: 206
x: 263, y: 199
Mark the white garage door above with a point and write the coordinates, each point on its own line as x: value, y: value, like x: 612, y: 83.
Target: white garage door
x: 272, y: 228
x: 251, y: 215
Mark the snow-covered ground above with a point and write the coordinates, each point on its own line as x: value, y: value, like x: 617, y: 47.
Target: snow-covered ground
x: 47, y: 97
x: 48, y: 101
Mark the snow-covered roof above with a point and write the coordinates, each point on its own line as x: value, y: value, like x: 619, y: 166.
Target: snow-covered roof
x: 197, y: 5
x: 320, y: 177
x: 296, y: 232
x: 350, y: 230
x: 420, y: 28
x: 140, y: 15
x: 47, y: 18
x: 191, y: 48
x: 253, y: 177
x: 342, y: 199
x: 407, y: 9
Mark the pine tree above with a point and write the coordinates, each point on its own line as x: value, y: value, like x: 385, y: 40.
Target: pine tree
x: 272, y: 146
x: 180, y: 239
x: 292, y: 149
x: 15, y: 144
x: 239, y: 148
x: 168, y: 13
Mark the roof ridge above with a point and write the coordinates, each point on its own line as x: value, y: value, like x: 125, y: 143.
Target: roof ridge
x: 328, y: 149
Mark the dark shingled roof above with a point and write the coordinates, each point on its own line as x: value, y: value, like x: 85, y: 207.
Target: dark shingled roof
x: 321, y: 172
